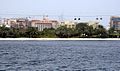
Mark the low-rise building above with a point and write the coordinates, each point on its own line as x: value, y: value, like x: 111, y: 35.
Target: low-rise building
x: 115, y: 22
x: 17, y: 22
x: 45, y: 23
x: 107, y: 27
x: 3, y: 22
x: 68, y: 24
x: 94, y: 24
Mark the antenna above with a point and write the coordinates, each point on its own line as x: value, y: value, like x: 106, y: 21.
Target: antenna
x: 61, y: 17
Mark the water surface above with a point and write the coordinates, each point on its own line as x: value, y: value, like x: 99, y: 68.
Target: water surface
x: 59, y: 55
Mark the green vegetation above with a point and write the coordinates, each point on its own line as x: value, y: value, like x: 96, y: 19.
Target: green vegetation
x: 64, y: 32
x: 114, y: 33
x: 82, y: 30
x: 48, y: 33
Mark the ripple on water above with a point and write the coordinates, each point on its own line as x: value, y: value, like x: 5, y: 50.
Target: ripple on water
x: 59, y: 56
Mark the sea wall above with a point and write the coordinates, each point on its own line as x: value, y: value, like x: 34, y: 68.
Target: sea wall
x: 59, y: 38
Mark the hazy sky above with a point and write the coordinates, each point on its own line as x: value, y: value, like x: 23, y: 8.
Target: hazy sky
x: 74, y: 7
x: 57, y: 7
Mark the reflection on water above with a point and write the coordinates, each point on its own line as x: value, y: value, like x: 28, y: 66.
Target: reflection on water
x: 59, y: 56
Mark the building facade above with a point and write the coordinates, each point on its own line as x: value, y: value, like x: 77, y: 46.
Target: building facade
x: 17, y: 22
x: 68, y: 24
x: 115, y: 22
x: 45, y: 23
x: 94, y: 24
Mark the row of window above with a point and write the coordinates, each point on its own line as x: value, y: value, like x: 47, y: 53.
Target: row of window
x: 43, y: 26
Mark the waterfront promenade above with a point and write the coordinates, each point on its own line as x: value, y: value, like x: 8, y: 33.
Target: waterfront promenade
x: 60, y: 39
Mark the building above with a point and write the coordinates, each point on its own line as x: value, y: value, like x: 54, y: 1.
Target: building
x: 17, y: 22
x: 115, y: 22
x: 0, y: 21
x: 94, y: 24
x: 108, y: 27
x: 11, y: 22
x: 68, y: 24
x: 45, y: 23
x: 23, y: 23
x: 55, y: 24
x: 3, y: 22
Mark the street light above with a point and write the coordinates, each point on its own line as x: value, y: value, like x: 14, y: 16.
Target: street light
x: 78, y: 18
x: 98, y: 18
x: 75, y: 18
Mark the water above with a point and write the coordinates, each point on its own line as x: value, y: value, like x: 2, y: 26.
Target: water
x: 59, y: 56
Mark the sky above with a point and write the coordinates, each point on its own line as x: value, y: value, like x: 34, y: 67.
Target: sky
x: 61, y: 7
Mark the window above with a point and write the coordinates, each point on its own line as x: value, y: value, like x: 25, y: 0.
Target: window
x: 65, y: 25
x: 69, y: 26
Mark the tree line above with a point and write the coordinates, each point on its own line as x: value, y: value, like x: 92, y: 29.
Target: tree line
x: 82, y: 30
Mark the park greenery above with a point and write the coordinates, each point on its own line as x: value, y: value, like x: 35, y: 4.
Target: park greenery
x: 82, y: 30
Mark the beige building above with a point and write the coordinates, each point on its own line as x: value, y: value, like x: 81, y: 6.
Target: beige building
x: 17, y: 22
x: 68, y: 24
x: 94, y: 24
x: 45, y: 23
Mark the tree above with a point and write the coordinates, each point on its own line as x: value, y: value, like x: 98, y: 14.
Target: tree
x: 32, y: 32
x: 48, y: 33
x: 64, y: 32
x: 4, y: 31
x: 114, y: 33
x: 100, y: 32
x: 84, y: 30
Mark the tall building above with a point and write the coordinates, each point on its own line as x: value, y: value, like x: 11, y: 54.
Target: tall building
x: 45, y: 23
x: 115, y: 22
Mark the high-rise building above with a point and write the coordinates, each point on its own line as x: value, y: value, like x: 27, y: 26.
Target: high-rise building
x: 115, y: 22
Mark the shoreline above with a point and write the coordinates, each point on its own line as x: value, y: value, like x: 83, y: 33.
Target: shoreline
x: 60, y: 39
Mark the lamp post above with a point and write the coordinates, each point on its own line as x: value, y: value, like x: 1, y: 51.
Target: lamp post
x: 99, y: 18
x: 77, y: 18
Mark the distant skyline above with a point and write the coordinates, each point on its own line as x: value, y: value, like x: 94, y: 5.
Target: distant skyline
x: 59, y: 7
